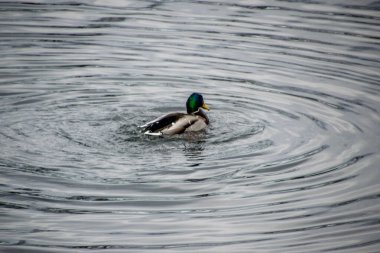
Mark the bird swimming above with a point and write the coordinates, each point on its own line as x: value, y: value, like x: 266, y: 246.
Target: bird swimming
x: 177, y: 122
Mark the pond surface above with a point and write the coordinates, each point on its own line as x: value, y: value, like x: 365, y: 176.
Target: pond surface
x: 290, y: 162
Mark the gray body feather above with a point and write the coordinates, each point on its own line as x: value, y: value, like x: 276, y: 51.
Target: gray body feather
x: 176, y: 123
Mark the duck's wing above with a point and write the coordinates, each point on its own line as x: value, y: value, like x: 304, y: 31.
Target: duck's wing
x: 197, y: 125
x: 162, y: 122
x: 181, y: 125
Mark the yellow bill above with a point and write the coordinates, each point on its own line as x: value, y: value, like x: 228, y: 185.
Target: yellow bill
x: 204, y: 106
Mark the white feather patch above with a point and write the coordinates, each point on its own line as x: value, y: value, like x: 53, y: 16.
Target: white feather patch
x: 153, y: 134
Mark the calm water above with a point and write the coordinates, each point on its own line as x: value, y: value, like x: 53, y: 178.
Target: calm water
x: 290, y: 162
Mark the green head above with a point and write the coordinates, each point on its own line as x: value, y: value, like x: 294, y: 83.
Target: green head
x: 194, y: 102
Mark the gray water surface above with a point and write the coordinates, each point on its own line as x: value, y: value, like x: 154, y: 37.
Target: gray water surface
x: 290, y: 162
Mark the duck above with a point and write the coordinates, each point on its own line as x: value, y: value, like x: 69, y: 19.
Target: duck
x: 194, y: 120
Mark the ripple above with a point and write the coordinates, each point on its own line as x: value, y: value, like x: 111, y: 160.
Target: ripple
x: 288, y: 161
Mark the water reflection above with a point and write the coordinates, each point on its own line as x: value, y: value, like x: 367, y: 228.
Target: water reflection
x: 194, y: 150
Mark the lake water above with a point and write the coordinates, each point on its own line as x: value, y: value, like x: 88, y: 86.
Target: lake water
x: 290, y: 162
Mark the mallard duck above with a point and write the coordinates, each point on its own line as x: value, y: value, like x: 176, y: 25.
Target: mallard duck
x: 177, y: 122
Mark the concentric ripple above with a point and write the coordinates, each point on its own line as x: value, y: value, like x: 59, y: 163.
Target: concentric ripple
x: 289, y: 162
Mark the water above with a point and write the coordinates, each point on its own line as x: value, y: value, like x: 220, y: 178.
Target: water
x: 290, y: 162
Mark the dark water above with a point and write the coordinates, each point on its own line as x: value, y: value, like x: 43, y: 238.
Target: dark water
x: 290, y: 162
